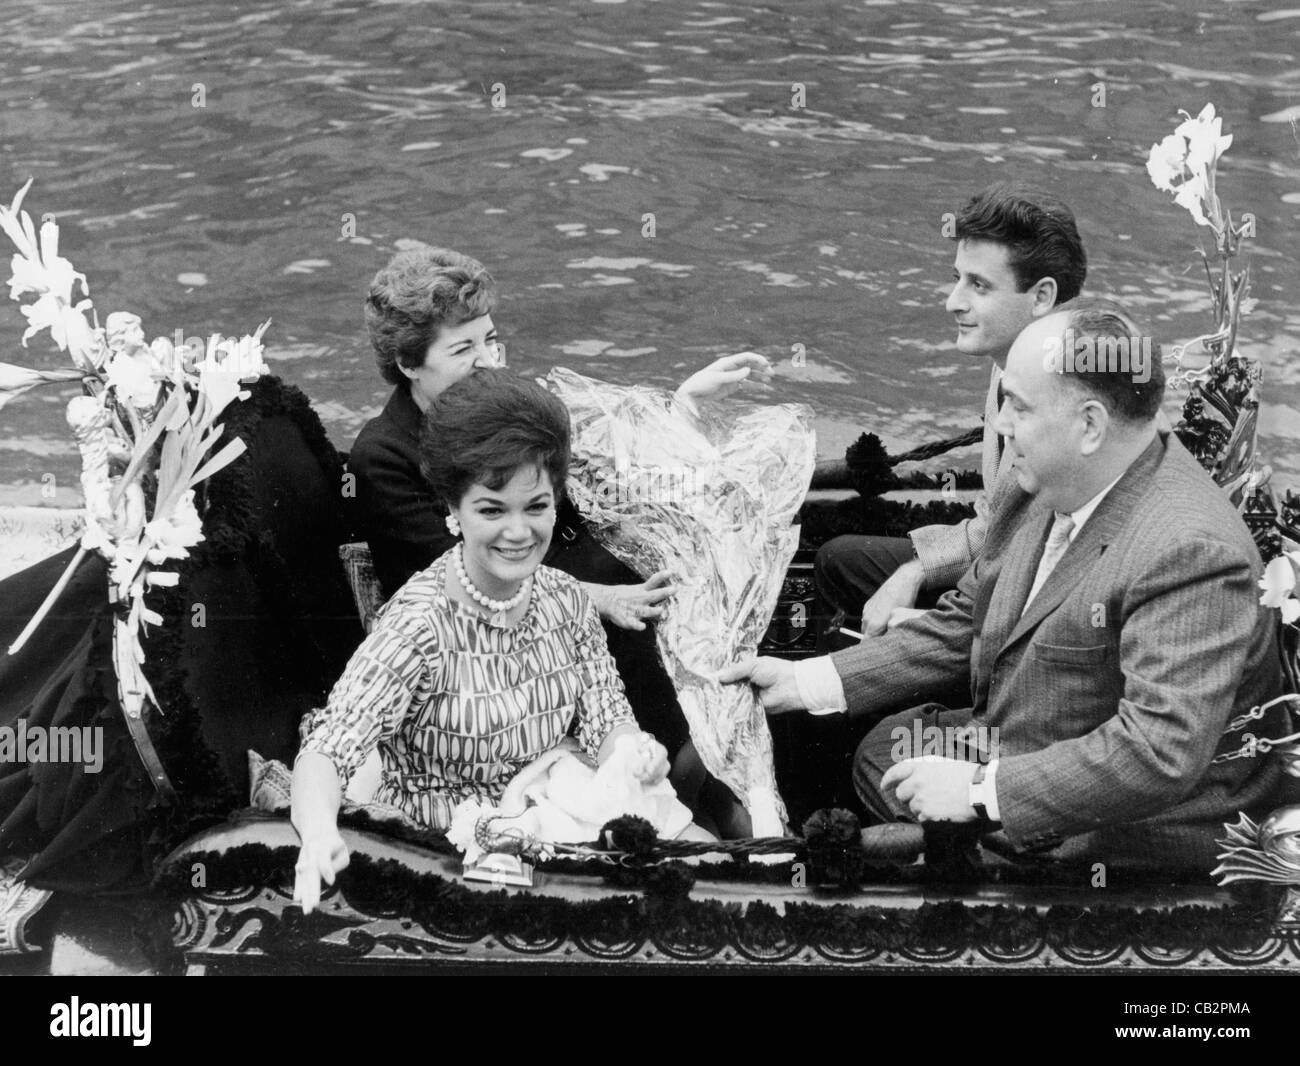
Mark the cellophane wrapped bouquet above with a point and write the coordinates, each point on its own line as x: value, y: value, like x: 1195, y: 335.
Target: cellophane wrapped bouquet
x: 711, y: 496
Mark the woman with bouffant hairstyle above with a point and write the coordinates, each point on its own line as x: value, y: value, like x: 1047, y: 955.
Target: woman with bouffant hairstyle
x: 429, y: 315
x: 482, y: 663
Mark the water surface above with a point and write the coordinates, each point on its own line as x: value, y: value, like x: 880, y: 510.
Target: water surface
x: 774, y: 226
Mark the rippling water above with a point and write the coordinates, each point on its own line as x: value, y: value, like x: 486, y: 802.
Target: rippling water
x: 774, y: 226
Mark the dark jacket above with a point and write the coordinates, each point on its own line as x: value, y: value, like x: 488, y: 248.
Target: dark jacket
x: 397, y: 513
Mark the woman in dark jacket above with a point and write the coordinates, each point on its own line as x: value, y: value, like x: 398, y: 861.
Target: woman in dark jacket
x: 429, y: 314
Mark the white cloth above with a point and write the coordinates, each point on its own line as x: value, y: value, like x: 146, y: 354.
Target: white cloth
x: 991, y: 792
x: 819, y: 686
x: 570, y: 803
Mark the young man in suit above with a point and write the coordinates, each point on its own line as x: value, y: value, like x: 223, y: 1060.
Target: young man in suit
x: 1018, y: 256
x: 1109, y: 631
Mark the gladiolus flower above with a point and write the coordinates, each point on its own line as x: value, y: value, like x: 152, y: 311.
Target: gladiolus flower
x: 133, y: 380
x: 1166, y: 163
x: 1184, y: 163
x: 174, y: 534
x: 1204, y: 143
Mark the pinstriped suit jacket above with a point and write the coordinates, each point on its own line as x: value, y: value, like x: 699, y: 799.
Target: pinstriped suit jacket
x: 945, y: 552
x: 1112, y: 690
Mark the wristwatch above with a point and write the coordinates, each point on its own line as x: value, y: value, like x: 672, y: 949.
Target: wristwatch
x: 977, y: 796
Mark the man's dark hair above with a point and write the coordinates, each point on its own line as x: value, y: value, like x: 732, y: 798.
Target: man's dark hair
x: 1038, y: 230
x: 414, y: 296
x: 486, y: 426
x: 1110, y: 330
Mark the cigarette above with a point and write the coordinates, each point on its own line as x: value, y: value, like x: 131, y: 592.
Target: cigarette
x: 850, y: 633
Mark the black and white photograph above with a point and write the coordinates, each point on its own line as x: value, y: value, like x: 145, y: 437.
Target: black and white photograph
x: 615, y: 488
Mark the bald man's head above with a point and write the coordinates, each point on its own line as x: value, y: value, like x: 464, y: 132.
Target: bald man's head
x: 1082, y: 390
x: 1096, y: 347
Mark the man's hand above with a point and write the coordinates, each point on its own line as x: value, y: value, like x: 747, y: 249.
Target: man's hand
x: 900, y: 590
x: 774, y: 679
x: 933, y: 788
x: 631, y: 606
x: 722, y: 377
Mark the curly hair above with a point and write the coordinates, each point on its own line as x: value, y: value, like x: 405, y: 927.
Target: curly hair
x: 414, y: 296
x: 1038, y: 229
x: 488, y: 425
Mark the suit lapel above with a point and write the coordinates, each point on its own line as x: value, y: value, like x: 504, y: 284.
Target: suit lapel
x: 1008, y: 593
x: 1107, y: 523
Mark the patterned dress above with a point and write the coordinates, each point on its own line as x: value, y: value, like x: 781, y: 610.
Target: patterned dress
x: 458, y: 706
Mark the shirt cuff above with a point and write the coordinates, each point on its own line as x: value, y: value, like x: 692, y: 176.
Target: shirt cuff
x: 991, y: 792
x: 819, y: 686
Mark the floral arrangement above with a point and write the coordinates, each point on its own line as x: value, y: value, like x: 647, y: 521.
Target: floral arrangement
x: 1219, y: 423
x: 1186, y: 164
x: 146, y: 426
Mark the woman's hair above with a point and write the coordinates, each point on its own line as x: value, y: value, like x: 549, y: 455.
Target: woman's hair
x: 488, y: 425
x: 414, y: 296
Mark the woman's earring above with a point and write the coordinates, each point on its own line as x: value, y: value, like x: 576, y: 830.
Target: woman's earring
x: 453, y: 525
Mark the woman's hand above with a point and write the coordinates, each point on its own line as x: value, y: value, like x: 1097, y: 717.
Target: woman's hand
x: 722, y: 377
x: 650, y: 762
x: 320, y: 859
x: 631, y: 606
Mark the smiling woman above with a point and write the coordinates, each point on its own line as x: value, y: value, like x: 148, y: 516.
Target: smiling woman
x: 499, y: 466
x: 485, y: 661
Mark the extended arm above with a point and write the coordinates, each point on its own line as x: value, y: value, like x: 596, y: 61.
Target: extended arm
x: 386, y: 673
x: 925, y: 658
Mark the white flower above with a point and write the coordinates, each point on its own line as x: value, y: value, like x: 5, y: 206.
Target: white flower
x: 220, y: 387
x: 242, y: 357
x: 463, y: 831
x: 1204, y: 142
x: 39, y: 270
x: 133, y: 379
x: 1184, y: 163
x: 1278, y: 583
x: 173, y: 534
x: 1166, y: 163
x: 1192, y: 196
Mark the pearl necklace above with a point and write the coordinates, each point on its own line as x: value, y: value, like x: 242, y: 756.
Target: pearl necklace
x: 497, y: 607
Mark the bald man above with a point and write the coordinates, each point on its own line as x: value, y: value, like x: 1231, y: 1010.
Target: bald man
x: 1108, y: 634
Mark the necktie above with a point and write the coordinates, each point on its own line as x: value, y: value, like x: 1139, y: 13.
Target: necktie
x: 1058, y: 540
